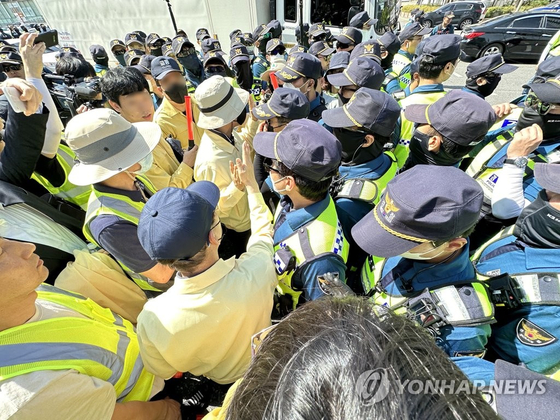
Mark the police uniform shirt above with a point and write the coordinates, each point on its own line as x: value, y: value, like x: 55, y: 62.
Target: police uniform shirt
x: 531, y: 333
x: 287, y: 223
x: 457, y: 342
x: 316, y: 108
x: 260, y: 65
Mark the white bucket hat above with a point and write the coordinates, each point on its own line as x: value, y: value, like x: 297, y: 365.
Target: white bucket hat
x: 219, y: 102
x: 106, y: 144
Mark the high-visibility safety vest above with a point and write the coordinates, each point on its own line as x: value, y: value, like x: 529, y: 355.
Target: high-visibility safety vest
x: 407, y: 127
x: 401, y: 67
x: 101, y: 203
x: 368, y: 190
x: 465, y: 303
x: 321, y: 236
x: 102, y: 345
x: 486, y: 175
x: 78, y: 195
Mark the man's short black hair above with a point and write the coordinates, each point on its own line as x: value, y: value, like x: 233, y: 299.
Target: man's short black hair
x: 74, y: 66
x: 121, y: 81
x: 312, y: 190
x: 429, y: 70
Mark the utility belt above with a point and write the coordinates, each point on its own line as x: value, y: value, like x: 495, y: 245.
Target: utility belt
x: 513, y: 291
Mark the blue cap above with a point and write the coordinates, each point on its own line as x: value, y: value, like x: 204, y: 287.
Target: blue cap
x: 297, y: 49
x: 210, y: 44
x: 285, y: 103
x: 370, y: 49
x: 412, y: 30
x: 178, y: 43
x: 349, y: 35
x: 493, y: 63
x: 321, y: 48
x: 361, y: 19
x: 426, y: 203
x: 305, y: 147
x: 339, y: 60
x: 153, y: 38
x: 390, y: 42
x: 202, y: 33
x: 459, y: 116
x: 131, y: 55
x: 442, y: 48
x: 361, y: 72
x: 548, y: 176
x: 549, y: 68
x: 175, y: 222
x: 317, y: 29
x: 275, y: 43
x: 300, y: 65
x: 116, y: 43
x: 548, y: 91
x: 134, y: 37
x: 98, y: 52
x: 238, y: 53
x: 162, y: 66
x: 371, y: 109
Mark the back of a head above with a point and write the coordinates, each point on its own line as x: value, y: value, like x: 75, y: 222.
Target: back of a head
x: 312, y: 366
x: 120, y: 81
x: 74, y: 66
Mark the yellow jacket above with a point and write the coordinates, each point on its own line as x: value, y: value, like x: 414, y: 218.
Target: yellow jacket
x: 174, y: 123
x: 166, y: 170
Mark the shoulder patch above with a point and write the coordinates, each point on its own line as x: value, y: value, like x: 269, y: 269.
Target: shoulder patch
x: 532, y: 335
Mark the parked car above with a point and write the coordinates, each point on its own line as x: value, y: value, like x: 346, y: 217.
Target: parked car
x: 518, y: 36
x: 466, y: 13
x: 552, y: 7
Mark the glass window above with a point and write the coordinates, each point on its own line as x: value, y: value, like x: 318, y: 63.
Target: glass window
x: 552, y: 22
x: 333, y: 12
x: 290, y: 11
x: 463, y: 7
x: 532, y: 22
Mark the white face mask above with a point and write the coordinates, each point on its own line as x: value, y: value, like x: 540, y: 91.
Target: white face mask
x: 145, y: 164
x: 421, y: 256
x: 274, y: 185
x: 288, y: 85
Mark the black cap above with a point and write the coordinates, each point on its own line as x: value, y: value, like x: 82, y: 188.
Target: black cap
x: 202, y: 33
x: 390, y: 41
x: 339, y: 60
x: 133, y: 37
x: 273, y: 44
x: 238, y: 53
x: 371, y: 109
x: 444, y: 205
x: 178, y: 43
x: 152, y: 38
x: 361, y: 19
x: 146, y: 62
x: 361, y: 72
x: 305, y: 147
x: 412, y: 30
x: 216, y: 57
x: 549, y: 67
x: 321, y: 48
x: 98, y: 52
x: 130, y: 55
x: 285, y: 103
x: 442, y: 48
x: 10, y: 58
x: 349, y: 35
x: 300, y: 65
x: 370, y: 49
x: 459, y: 116
x: 548, y: 91
x: 494, y: 63
x: 209, y: 45
x: 162, y: 66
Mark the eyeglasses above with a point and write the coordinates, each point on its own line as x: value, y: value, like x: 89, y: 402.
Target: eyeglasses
x: 224, y: 229
x: 12, y: 67
x: 215, y: 69
x: 270, y: 128
x: 491, y: 75
x: 541, y: 107
x: 268, y: 166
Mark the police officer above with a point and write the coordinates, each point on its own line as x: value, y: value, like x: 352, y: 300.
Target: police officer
x: 445, y: 27
x: 241, y: 65
x: 260, y: 63
x: 527, y: 331
x: 118, y: 49
x: 417, y: 236
x: 132, y: 57
x: 308, y: 238
x: 323, y: 52
x: 348, y: 39
x: 361, y: 72
x: 485, y: 73
x: 448, y: 129
x: 100, y: 58
x: 390, y: 45
x: 370, y: 49
x: 436, y: 64
x: 186, y: 56
x: 154, y: 43
x: 317, y: 32
x: 339, y: 61
x: 275, y: 47
x: 134, y: 41
x: 363, y: 22
x: 363, y: 126
x: 409, y: 37
x: 302, y: 72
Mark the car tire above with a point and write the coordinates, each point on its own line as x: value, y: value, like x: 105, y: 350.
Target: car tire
x: 465, y: 22
x: 428, y: 23
x: 490, y: 49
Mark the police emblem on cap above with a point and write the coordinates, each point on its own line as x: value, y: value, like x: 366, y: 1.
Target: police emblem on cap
x: 390, y: 205
x: 532, y: 335
x: 287, y: 76
x: 368, y: 48
x: 320, y: 27
x: 133, y: 36
x: 291, y: 60
x: 3, y: 56
x: 238, y: 51
x: 344, y: 31
x: 216, y: 45
x: 180, y: 39
x: 261, y: 113
x: 212, y: 54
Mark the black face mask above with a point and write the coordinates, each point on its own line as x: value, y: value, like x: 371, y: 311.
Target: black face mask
x: 538, y: 224
x: 120, y: 59
x: 156, y: 51
x: 352, y: 151
x: 420, y: 155
x: 387, y: 62
x: 177, y: 92
x: 343, y: 99
x: 191, y: 63
x: 244, y: 75
x: 484, y: 90
x: 242, y: 117
x: 549, y: 123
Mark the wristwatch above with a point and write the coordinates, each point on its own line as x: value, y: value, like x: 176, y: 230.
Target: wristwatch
x: 520, y: 161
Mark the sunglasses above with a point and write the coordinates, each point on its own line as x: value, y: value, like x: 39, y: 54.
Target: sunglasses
x: 215, y: 69
x: 268, y: 166
x: 541, y: 107
x: 12, y: 67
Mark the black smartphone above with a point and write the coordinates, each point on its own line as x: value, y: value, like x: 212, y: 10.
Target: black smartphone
x: 191, y: 144
x: 50, y: 38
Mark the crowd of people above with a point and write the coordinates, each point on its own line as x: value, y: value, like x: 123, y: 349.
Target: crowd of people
x: 245, y: 233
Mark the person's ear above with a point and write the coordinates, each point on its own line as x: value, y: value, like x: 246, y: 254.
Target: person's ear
x: 290, y: 184
x: 456, y: 244
x: 434, y: 144
x: 213, y: 238
x: 368, y: 140
x: 481, y: 81
x: 384, y: 54
x: 115, y: 106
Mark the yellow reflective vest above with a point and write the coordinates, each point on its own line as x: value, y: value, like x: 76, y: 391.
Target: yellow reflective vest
x: 323, y: 235
x: 102, y: 345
